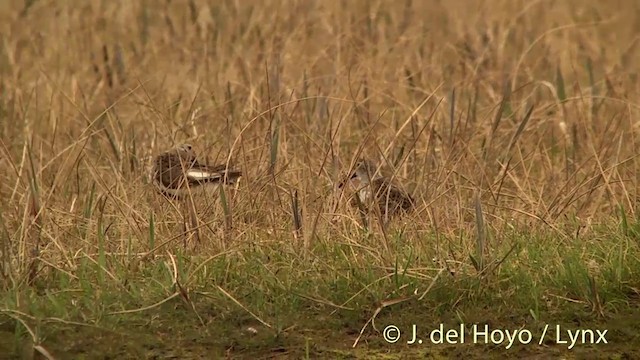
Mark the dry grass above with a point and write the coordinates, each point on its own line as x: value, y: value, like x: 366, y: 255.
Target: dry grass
x: 514, y: 124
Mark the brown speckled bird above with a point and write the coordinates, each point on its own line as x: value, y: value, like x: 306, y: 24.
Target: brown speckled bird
x: 387, y: 195
x: 176, y: 172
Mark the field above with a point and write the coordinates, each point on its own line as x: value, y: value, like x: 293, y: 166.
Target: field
x: 514, y: 124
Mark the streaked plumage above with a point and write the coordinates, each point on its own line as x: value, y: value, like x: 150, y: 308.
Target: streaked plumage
x: 387, y: 195
x: 177, y: 171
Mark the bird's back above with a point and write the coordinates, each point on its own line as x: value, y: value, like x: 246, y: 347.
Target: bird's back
x: 390, y: 198
x: 170, y: 167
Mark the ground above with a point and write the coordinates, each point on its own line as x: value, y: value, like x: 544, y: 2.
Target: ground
x: 511, y: 123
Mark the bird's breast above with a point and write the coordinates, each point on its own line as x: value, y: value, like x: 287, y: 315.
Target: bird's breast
x: 364, y: 194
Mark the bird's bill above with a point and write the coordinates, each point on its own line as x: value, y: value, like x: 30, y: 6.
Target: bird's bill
x: 347, y: 179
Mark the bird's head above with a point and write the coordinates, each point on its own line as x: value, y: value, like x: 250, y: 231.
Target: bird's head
x: 363, y: 171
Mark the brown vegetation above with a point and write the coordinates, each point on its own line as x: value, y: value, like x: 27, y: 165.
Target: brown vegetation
x: 514, y: 125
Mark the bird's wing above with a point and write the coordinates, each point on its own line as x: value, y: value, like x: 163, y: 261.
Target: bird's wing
x: 385, y: 188
x: 200, y: 173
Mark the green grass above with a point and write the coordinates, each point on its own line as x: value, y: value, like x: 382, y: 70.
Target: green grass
x: 316, y: 303
x: 513, y: 124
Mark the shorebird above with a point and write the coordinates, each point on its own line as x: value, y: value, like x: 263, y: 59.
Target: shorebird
x: 177, y: 172
x: 375, y: 190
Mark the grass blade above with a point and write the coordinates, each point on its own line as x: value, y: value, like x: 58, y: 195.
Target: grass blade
x: 275, y: 140
x: 480, y: 236
x: 152, y: 231
x: 562, y: 94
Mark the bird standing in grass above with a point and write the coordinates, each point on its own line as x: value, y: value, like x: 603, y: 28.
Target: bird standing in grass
x: 373, y: 190
x: 177, y: 172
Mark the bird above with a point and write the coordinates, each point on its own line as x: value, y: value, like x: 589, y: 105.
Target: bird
x: 177, y: 172
x: 376, y: 190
